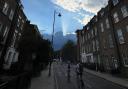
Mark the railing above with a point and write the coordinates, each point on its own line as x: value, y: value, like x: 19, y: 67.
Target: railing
x: 21, y: 81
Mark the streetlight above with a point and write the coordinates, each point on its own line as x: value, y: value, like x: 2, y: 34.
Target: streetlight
x: 52, y: 38
x: 59, y: 14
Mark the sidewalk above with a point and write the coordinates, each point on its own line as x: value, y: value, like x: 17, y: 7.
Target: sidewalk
x: 119, y: 81
x: 44, y: 81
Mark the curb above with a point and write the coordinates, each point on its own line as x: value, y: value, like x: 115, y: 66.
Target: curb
x: 90, y: 71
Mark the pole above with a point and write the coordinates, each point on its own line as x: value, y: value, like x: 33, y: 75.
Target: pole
x: 53, y: 26
x: 50, y: 61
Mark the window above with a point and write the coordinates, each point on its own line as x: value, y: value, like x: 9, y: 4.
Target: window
x: 120, y: 36
x: 127, y: 28
x: 18, y: 23
x: 124, y: 11
x: 110, y: 41
x: 125, y: 57
x: 11, y: 15
x: 92, y: 33
x: 102, y: 13
x: 1, y: 26
x: 93, y: 42
x: 97, y: 45
x: 102, y: 27
x: 107, y: 23
x: 5, y: 31
x: 95, y: 31
x: 14, y: 39
x: 5, y: 8
x: 116, y: 19
x: 115, y: 2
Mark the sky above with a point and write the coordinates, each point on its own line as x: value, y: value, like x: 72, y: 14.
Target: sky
x: 75, y: 13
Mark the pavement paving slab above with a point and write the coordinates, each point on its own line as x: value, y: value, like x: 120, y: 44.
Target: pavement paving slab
x: 43, y: 81
x: 116, y: 80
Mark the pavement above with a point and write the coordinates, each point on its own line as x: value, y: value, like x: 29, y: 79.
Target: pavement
x: 116, y: 80
x: 44, y: 81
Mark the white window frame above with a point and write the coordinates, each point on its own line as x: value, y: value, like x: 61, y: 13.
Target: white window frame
x: 95, y: 31
x: 11, y: 14
x: 5, y: 8
x: 102, y: 27
x: 107, y: 23
x: 115, y: 2
x: 116, y: 18
x: 5, y: 31
x: 120, y: 36
x: 124, y: 11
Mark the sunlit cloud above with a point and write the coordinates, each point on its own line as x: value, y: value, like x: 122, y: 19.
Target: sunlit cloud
x: 80, y: 7
x: 76, y: 5
x: 84, y: 20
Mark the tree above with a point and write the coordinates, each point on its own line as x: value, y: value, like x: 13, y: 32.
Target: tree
x: 68, y: 51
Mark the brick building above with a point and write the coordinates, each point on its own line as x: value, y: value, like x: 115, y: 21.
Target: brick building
x: 7, y: 9
x: 103, y: 41
x: 10, y: 54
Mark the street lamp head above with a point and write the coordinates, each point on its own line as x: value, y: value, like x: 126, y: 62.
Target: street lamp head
x: 59, y: 14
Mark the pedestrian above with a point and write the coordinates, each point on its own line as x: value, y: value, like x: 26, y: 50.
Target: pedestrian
x: 68, y: 70
x: 50, y: 63
x: 79, y: 70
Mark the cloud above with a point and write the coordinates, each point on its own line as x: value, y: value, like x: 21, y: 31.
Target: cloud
x: 84, y: 20
x: 76, y: 5
x: 85, y: 9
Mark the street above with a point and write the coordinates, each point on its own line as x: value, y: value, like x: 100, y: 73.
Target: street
x: 90, y: 81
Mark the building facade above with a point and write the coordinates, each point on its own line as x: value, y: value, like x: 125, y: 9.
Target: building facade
x: 103, y: 41
x: 7, y: 10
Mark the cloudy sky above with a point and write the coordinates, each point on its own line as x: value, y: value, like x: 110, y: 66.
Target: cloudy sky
x: 75, y: 13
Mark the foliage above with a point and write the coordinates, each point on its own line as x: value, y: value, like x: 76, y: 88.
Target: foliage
x: 68, y: 51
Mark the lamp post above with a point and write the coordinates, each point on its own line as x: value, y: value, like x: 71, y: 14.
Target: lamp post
x: 54, y: 23
x: 54, y: 19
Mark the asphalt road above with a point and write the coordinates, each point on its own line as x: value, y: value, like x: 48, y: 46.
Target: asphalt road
x: 89, y: 81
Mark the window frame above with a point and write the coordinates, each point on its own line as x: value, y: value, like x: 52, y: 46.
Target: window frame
x: 102, y: 27
x: 116, y: 18
x: 107, y: 23
x: 115, y: 2
x: 120, y: 36
x: 11, y: 14
x: 1, y: 26
x: 5, y: 8
x: 124, y: 11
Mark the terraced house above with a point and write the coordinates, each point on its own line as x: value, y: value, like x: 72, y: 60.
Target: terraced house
x: 12, y: 20
x: 7, y: 9
x: 102, y: 43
